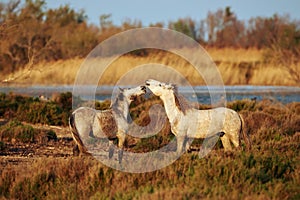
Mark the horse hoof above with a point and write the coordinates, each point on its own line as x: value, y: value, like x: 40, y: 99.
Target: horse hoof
x: 221, y: 134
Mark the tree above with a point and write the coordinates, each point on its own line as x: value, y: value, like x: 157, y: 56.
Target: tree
x: 232, y: 32
x: 23, y: 40
x: 70, y: 33
x: 186, y: 26
x: 284, y: 45
x: 31, y: 34
x: 105, y: 22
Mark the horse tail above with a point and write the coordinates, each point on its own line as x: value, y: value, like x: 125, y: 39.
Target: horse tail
x: 245, y: 134
x: 76, y: 136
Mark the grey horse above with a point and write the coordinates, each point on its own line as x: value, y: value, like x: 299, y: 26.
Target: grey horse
x: 86, y: 123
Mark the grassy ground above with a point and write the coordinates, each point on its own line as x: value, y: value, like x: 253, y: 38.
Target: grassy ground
x: 237, y: 67
x: 270, y: 170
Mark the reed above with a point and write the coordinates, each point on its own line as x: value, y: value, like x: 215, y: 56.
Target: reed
x: 237, y: 67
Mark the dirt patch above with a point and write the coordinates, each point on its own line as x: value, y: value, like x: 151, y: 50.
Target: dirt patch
x: 15, y: 154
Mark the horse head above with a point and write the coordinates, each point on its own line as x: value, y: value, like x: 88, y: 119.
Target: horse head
x: 159, y: 88
x: 132, y: 93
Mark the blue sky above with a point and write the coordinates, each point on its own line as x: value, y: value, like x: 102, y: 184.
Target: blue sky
x: 169, y: 10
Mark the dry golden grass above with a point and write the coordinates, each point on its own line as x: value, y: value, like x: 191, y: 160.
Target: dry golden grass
x: 236, y: 55
x: 237, y: 67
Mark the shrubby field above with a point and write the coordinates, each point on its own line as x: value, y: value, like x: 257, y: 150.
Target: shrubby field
x: 270, y: 170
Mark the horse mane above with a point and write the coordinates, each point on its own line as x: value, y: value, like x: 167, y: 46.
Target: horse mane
x: 133, y: 97
x: 119, y: 97
x: 180, y: 101
x: 114, y: 106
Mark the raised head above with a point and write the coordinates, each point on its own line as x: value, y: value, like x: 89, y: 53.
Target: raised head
x: 170, y: 90
x: 132, y: 93
x: 128, y: 95
x: 159, y: 88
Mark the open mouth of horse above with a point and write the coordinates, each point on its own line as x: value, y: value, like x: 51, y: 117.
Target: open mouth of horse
x: 144, y: 88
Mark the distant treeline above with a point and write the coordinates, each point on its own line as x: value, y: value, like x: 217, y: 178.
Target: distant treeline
x: 32, y: 33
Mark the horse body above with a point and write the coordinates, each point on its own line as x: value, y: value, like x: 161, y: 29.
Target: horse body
x: 208, y: 123
x: 111, y: 124
x: 187, y: 122
x: 95, y: 123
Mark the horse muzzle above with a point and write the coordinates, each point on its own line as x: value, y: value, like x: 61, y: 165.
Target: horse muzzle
x: 144, y: 88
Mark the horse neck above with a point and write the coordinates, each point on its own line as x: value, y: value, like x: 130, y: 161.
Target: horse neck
x: 172, y: 110
x: 122, y: 107
x: 125, y: 107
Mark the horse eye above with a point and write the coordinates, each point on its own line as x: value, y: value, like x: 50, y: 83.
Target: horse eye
x: 159, y: 85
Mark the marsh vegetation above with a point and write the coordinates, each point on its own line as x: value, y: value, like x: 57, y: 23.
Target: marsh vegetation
x: 270, y: 170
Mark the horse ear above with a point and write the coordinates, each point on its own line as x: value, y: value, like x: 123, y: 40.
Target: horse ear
x: 121, y: 90
x: 174, y: 87
x: 121, y: 96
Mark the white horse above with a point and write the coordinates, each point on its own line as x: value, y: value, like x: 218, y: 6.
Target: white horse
x: 188, y: 122
x: 86, y: 123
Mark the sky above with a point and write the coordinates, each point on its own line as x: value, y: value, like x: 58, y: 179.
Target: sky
x: 152, y: 11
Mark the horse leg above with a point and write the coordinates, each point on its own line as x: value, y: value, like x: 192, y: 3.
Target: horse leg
x: 226, y: 143
x: 76, y: 151
x: 80, y: 150
x: 235, y: 140
x: 180, y: 143
x: 111, y: 149
x: 121, y: 137
x: 120, y: 156
x: 188, y: 143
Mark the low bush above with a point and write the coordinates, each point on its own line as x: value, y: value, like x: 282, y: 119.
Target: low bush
x: 221, y: 175
x: 15, y: 131
x: 240, y: 105
x: 33, y: 110
x: 2, y: 145
x: 102, y: 105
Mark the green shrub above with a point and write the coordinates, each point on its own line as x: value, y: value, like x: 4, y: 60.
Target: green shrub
x: 18, y: 131
x: 51, y: 135
x: 64, y: 100
x: 102, y: 105
x: 33, y: 110
x: 41, y: 112
x: 2, y: 146
x: 240, y: 105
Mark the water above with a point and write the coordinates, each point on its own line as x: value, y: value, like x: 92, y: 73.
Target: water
x: 202, y: 94
x: 281, y: 94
